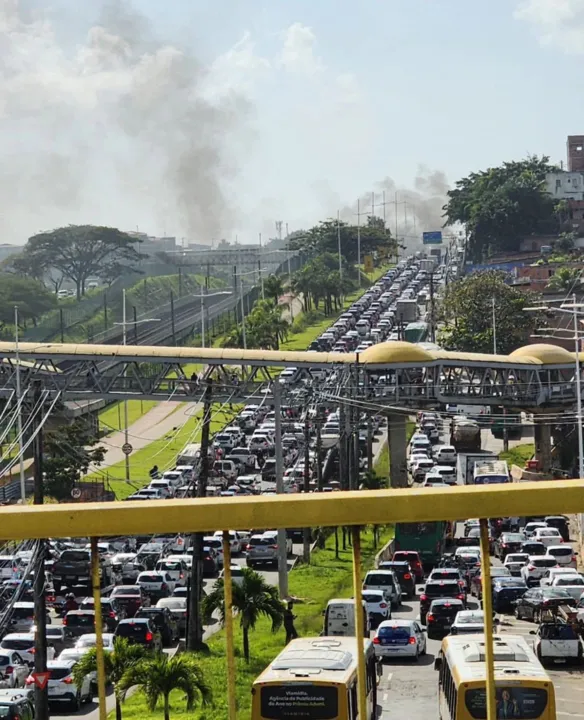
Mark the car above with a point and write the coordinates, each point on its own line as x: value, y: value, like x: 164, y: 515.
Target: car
x: 412, y: 557
x: 78, y: 622
x: 448, y: 573
x: 468, y: 622
x: 571, y: 583
x: 261, y: 550
x: 508, y: 543
x: 420, y: 469
x: 378, y: 608
x: 216, y: 544
x: 141, y: 631
x: 22, y: 616
x: 178, y: 608
x: 440, y: 616
x: 531, y: 547
x: 432, y: 480
x: 515, y: 561
x: 400, y: 638
x: 56, y: 636
x: 164, y: 622
x: 446, y: 589
x: 531, y: 605
x: 272, y: 536
x: 476, y: 582
x: 13, y: 669
x: 111, y: 611
x: 235, y: 542
x: 445, y: 455
x: 536, y: 568
x: 404, y: 574
x: 156, y: 584
x: 548, y: 536
x: 89, y: 640
x: 236, y: 574
x: 17, y: 705
x: 556, y: 640
x: 387, y: 582
x: 470, y: 525
x: 548, y: 578
x: 62, y: 686
x: 131, y: 598
x: 446, y: 472
x: 531, y: 527
x: 505, y: 590
x: 125, y: 566
x: 211, y: 562
x: 415, y: 457
x: 176, y: 568
x: 560, y: 522
x: 565, y: 555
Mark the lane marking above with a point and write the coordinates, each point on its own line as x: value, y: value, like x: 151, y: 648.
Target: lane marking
x: 385, y: 697
x: 389, y: 676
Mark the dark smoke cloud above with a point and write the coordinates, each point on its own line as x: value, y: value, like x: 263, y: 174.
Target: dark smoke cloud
x: 114, y: 124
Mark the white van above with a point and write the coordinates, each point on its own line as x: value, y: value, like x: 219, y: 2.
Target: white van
x: 226, y: 468
x: 339, y: 618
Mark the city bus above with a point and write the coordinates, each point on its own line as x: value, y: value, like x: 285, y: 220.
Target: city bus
x: 315, y: 679
x: 523, y: 688
x: 428, y: 538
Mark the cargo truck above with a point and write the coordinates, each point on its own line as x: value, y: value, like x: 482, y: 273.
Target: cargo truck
x: 406, y: 311
x: 465, y: 465
x: 492, y: 472
x: 465, y: 435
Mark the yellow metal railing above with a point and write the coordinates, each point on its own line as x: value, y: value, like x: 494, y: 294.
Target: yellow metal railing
x: 355, y: 509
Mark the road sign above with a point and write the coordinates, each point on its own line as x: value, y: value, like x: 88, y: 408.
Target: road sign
x: 76, y: 493
x: 368, y: 263
x: 127, y: 448
x: 432, y: 238
x: 41, y: 679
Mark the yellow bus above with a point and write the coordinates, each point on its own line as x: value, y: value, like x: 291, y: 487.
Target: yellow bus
x: 315, y: 679
x: 524, y: 689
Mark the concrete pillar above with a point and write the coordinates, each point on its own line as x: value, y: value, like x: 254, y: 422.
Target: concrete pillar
x: 396, y: 439
x: 543, y: 445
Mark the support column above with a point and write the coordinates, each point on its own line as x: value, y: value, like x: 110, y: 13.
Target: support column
x: 396, y: 440
x: 543, y: 444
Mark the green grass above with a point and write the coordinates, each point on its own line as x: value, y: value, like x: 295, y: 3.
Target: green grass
x: 519, y: 454
x: 111, y: 418
x: 161, y: 452
x: 326, y: 578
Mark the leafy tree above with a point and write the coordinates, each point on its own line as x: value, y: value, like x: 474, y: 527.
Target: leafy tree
x: 80, y: 251
x: 265, y: 328
x: 501, y: 205
x: 467, y: 313
x: 565, y: 279
x: 161, y: 674
x: 117, y: 663
x: 69, y: 451
x: 273, y: 287
x: 319, y: 280
x: 252, y: 598
x: 565, y: 243
x: 30, y: 296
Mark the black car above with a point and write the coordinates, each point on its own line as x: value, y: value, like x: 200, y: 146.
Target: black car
x: 440, y: 616
x: 404, y: 574
x: 505, y: 591
x: 560, y: 522
x: 164, y: 621
x: 531, y: 547
x: 535, y: 600
x: 16, y: 705
x: 141, y: 631
x: 508, y: 543
x: 111, y: 611
x: 210, y: 564
x: 79, y: 622
x: 439, y: 589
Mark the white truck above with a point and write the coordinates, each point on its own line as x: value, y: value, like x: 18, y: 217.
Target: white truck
x: 491, y: 472
x: 465, y: 464
x: 465, y: 435
x: 406, y: 311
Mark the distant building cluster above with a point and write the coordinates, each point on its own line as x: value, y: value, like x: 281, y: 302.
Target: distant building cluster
x: 568, y: 185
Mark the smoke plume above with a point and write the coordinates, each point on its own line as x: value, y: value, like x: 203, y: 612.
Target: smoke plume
x: 117, y: 119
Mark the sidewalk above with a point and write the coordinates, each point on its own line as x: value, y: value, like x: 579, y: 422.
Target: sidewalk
x: 155, y: 424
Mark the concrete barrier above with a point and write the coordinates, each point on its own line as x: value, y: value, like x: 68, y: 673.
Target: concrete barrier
x: 385, y: 553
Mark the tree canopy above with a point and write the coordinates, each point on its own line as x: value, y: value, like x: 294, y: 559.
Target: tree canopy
x: 79, y: 252
x: 324, y: 238
x: 320, y: 279
x: 30, y: 296
x: 501, y: 205
x: 467, y: 313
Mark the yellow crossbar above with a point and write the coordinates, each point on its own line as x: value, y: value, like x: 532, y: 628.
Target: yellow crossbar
x: 296, y: 510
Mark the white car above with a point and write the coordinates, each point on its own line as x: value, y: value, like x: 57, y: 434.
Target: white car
x: 415, y: 456
x: 536, y: 568
x: 89, y: 640
x: 557, y: 640
x: 13, y: 669
x: 468, y: 622
x: 565, y: 554
x: 433, y: 480
x: 62, y: 687
x: 378, y: 609
x: 445, y: 455
x: 447, y: 472
x: 124, y: 566
x: 156, y: 583
x: 177, y: 569
x: 24, y: 644
x: 548, y: 578
x: 573, y: 584
x: 547, y: 536
x: 531, y: 527
x: 515, y: 561
x: 234, y: 541
x: 421, y: 468
x: 217, y: 544
x: 236, y: 574
x: 400, y: 638
x: 273, y: 536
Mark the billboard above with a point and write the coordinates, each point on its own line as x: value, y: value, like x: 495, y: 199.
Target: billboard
x: 432, y: 238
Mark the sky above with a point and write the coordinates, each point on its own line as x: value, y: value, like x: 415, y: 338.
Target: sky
x: 210, y: 120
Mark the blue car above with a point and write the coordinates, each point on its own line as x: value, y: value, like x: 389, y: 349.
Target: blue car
x: 505, y: 591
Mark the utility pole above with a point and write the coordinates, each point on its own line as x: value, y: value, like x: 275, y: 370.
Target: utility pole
x: 180, y: 283
x: 194, y: 639
x: 359, y: 240
x: 40, y: 607
x: 432, y: 318
x: 339, y: 244
x: 62, y: 325
x: 306, y: 530
x: 369, y: 430
x: 242, y: 313
x: 19, y: 407
x: 104, y: 310
x: 124, y: 343
x: 172, y: 325
x: 318, y: 449
x: 135, y: 325
x: 282, y: 556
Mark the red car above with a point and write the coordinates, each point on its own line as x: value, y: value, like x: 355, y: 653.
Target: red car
x: 413, y: 558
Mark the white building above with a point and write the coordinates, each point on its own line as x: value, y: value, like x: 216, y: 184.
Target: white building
x: 565, y: 185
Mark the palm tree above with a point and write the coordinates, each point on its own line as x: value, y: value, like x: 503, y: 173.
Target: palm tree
x: 124, y: 656
x: 273, y: 288
x: 565, y: 279
x: 252, y: 598
x: 161, y: 674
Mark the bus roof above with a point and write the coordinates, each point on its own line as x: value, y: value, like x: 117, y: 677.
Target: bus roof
x: 514, y: 659
x: 317, y: 659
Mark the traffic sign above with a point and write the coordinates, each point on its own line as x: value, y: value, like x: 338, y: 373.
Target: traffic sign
x: 127, y: 448
x: 41, y: 679
x: 76, y: 493
x: 432, y: 238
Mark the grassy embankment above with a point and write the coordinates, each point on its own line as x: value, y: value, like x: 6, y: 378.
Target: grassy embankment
x: 325, y: 578
x: 519, y: 454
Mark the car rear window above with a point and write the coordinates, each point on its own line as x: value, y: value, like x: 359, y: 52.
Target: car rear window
x: 575, y: 580
x: 151, y: 578
x: 74, y: 556
x: 446, y: 574
x: 23, y: 613
x: 395, y: 633
x: 373, y: 597
x: 80, y: 620
x: 59, y: 673
x: 543, y: 562
x: 379, y: 579
x: 441, y: 589
x: 131, y: 629
x: 17, y: 644
x: 560, y: 551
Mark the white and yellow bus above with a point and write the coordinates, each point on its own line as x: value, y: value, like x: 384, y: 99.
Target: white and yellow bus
x: 524, y: 689
x: 315, y: 679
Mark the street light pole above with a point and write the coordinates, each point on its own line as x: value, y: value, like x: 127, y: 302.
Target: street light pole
x: 339, y: 244
x: 242, y: 313
x: 19, y: 409
x: 579, y: 407
x: 124, y: 340
x: 494, y: 327
x: 202, y: 317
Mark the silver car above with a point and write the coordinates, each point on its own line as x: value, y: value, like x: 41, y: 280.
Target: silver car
x: 261, y: 550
